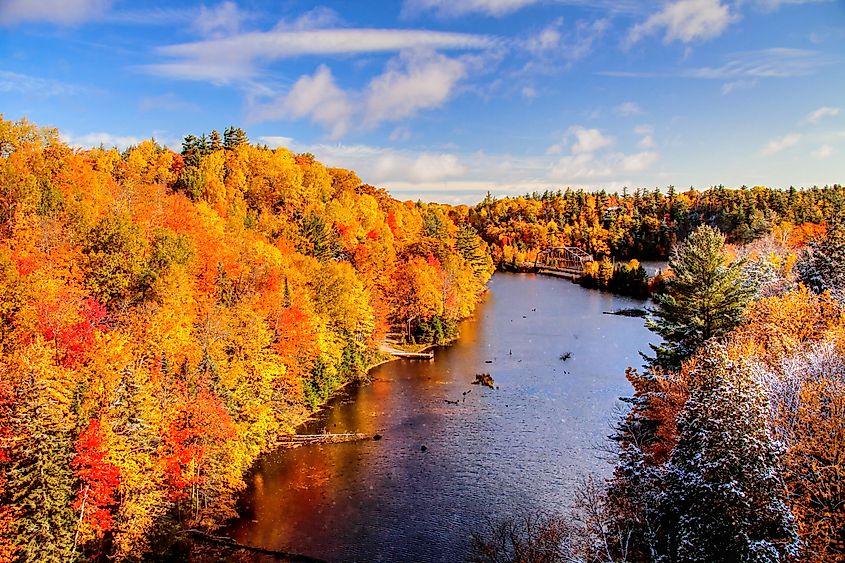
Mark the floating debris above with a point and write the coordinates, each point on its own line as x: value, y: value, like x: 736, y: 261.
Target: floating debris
x: 484, y: 379
x: 565, y: 356
x: 628, y: 312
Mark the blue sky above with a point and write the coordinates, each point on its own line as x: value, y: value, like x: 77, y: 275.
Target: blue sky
x: 447, y: 99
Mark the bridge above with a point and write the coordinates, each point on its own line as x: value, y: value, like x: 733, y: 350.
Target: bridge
x: 563, y: 261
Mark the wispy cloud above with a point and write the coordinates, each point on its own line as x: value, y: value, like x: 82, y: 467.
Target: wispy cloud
x: 13, y: 82
x: 108, y: 140
x: 772, y: 5
x: 685, y: 21
x: 221, y: 20
x: 647, y: 134
x: 557, y: 42
x: 780, y: 144
x: 628, y: 109
x: 499, y: 8
x: 777, y: 62
x: 59, y: 12
x: 239, y: 57
x: 822, y: 113
x: 455, y: 8
x: 823, y: 152
x: 737, y: 85
x: 167, y: 102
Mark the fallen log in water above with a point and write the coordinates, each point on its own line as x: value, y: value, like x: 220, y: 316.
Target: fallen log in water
x: 232, y: 544
x: 322, y: 438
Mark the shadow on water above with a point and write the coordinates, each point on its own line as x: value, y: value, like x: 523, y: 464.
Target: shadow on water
x: 442, y: 467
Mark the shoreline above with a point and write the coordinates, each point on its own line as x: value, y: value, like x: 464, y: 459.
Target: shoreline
x: 297, y: 425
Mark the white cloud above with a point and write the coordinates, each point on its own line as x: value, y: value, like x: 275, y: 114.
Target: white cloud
x: 317, y: 18
x: 546, y: 39
x: 239, y: 57
x: 590, y: 167
x: 588, y: 140
x: 780, y: 144
x: 13, y: 82
x: 821, y: 113
x: 685, y: 21
x: 419, y: 169
x: 639, y: 162
x: 588, y: 161
x: 276, y: 141
x: 412, y: 82
x: 415, y: 81
x: 108, y: 140
x: 60, y: 12
x: 823, y: 152
x: 628, y: 109
x: 315, y: 97
x: 224, y: 19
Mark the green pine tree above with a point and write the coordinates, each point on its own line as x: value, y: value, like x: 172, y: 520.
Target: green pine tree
x: 469, y: 244
x: 704, y: 299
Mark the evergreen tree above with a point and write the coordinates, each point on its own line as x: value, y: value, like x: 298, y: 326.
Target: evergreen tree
x: 215, y: 141
x: 191, y: 150
x: 703, y: 299
x: 822, y: 267
x: 469, y: 245
x: 233, y: 137
x: 725, y: 494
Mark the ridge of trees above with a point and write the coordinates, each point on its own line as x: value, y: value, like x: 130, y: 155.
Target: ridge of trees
x: 646, y: 225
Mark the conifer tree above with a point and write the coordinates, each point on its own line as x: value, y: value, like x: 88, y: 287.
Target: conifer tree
x: 725, y: 493
x: 704, y: 299
x: 822, y: 267
x: 215, y: 141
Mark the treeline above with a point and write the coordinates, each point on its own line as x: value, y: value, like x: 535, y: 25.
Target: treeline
x: 645, y: 225
x: 734, y: 445
x: 163, y: 316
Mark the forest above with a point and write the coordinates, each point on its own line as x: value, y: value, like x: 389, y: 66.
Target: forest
x: 165, y: 316
x: 622, y: 230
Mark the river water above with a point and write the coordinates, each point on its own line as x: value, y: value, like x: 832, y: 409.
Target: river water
x: 442, y: 470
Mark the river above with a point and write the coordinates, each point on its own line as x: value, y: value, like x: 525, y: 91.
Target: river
x: 441, y: 470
